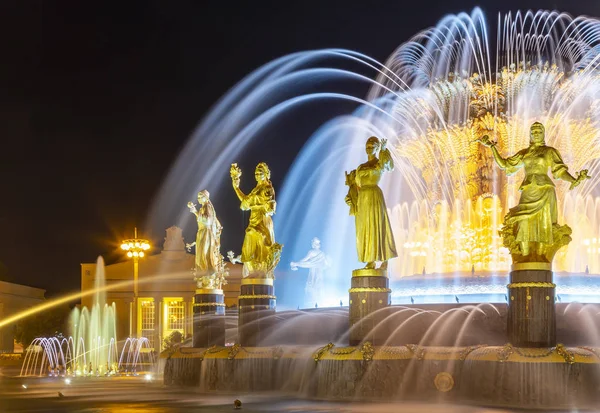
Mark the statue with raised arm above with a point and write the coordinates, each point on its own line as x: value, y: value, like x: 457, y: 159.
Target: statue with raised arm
x: 209, y: 267
x: 374, y: 237
x: 316, y: 261
x: 531, y: 231
x: 260, y: 252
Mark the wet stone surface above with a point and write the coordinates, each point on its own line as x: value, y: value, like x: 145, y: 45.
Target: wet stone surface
x: 136, y: 395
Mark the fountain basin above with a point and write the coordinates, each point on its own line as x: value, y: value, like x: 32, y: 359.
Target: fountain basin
x: 506, y: 376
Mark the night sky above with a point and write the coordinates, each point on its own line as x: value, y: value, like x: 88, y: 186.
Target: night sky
x: 97, y: 100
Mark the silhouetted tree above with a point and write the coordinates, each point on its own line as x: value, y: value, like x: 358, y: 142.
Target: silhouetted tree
x: 47, y: 323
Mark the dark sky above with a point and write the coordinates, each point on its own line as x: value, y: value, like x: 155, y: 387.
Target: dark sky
x: 97, y: 98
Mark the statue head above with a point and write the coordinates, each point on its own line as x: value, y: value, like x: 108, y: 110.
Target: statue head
x: 315, y: 243
x: 203, y: 196
x: 372, y: 145
x: 262, y: 172
x: 537, y: 134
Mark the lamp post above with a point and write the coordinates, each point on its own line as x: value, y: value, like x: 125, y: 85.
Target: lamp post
x: 135, y: 248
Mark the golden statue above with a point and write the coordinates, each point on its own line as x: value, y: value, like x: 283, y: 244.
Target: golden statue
x: 260, y: 252
x: 209, y: 268
x: 374, y: 237
x: 531, y: 231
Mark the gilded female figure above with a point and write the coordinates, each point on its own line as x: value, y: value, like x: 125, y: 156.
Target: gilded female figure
x: 374, y: 237
x: 260, y: 252
x: 533, y: 222
x: 208, y: 237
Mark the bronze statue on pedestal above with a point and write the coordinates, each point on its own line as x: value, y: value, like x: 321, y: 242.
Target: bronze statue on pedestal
x: 260, y: 252
x: 209, y: 269
x: 531, y: 231
x: 374, y: 237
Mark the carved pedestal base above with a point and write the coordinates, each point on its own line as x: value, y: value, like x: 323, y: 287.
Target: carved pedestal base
x: 209, y: 318
x: 531, y: 311
x: 370, y: 292
x: 256, y: 311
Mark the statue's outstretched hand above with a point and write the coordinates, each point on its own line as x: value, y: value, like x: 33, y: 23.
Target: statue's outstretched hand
x: 236, y: 174
x: 486, y: 141
x: 382, y: 144
x: 293, y: 266
x: 582, y: 176
x: 189, y: 246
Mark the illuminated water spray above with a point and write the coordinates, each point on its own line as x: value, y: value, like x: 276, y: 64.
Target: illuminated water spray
x: 433, y: 97
x: 92, y: 347
x: 94, y: 330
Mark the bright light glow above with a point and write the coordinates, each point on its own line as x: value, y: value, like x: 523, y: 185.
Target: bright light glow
x: 137, y: 244
x: 148, y: 377
x: 70, y: 297
x: 135, y: 253
x: 141, y: 254
x: 24, y: 386
x: 130, y: 254
x: 67, y: 381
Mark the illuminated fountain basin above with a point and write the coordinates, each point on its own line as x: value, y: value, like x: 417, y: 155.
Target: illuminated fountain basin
x: 486, y: 286
x: 92, y: 348
x: 447, y: 353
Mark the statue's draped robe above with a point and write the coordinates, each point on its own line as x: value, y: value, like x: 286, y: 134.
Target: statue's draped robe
x: 260, y: 237
x: 374, y: 237
x: 206, y: 241
x: 537, y: 210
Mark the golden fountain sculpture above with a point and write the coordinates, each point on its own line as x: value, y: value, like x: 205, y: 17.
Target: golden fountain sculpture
x: 370, y: 290
x: 260, y: 252
x: 531, y: 231
x: 209, y: 269
x: 374, y: 237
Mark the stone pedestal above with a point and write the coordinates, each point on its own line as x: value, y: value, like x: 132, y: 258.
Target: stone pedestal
x: 531, y: 310
x: 257, y: 303
x: 370, y: 292
x: 209, y: 318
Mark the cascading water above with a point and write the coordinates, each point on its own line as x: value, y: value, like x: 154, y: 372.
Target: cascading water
x: 433, y: 97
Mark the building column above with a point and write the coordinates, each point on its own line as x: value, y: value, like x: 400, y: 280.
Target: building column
x: 189, y: 317
x: 158, y: 323
x: 130, y: 323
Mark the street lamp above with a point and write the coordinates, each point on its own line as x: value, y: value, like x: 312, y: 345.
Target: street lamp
x: 135, y: 248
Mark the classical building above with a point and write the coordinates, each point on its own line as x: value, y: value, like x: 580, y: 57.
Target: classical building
x: 166, y: 291
x: 15, y: 298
